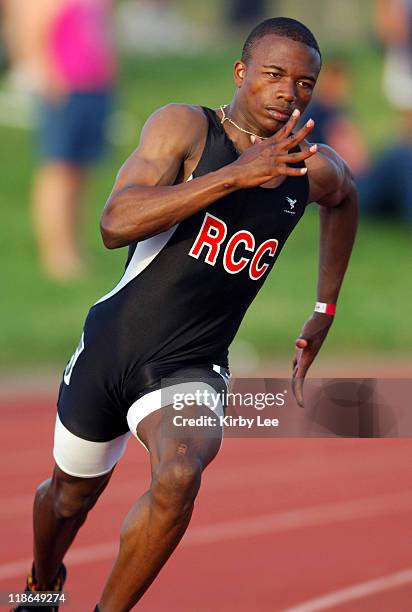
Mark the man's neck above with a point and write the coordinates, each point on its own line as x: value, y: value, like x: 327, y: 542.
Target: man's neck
x: 240, y: 115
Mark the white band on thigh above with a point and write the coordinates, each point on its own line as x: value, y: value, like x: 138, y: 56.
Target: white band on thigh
x: 85, y: 459
x: 172, y: 396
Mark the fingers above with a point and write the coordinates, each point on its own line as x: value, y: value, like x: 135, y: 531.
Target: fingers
x: 255, y: 139
x: 284, y: 170
x: 297, y: 138
x: 301, y: 343
x: 300, y: 367
x: 297, y: 388
x: 298, y: 378
x: 285, y: 135
x: 288, y: 127
x: 293, y: 158
x: 282, y: 161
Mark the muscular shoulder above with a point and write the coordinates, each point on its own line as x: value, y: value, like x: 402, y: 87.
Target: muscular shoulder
x: 330, y: 178
x: 175, y: 127
x: 170, y: 138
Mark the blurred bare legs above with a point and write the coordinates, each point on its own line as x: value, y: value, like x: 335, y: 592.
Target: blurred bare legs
x: 57, y: 195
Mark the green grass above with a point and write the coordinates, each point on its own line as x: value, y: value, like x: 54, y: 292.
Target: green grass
x: 42, y: 321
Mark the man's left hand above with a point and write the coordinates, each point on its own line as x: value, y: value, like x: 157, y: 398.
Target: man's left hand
x: 308, y: 344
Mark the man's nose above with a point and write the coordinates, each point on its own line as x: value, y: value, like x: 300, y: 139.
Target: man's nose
x: 287, y: 90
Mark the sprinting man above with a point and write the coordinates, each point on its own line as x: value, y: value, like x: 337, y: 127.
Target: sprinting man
x: 205, y: 204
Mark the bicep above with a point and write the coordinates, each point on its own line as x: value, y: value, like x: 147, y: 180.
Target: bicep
x: 146, y: 171
x: 166, y: 142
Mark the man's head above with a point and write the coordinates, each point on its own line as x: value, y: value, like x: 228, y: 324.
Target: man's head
x: 279, y: 26
x: 278, y: 70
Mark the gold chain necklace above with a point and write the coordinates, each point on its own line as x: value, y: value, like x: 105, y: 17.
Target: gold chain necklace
x: 226, y: 118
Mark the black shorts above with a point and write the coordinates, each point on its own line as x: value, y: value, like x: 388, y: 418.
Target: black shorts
x: 97, y: 417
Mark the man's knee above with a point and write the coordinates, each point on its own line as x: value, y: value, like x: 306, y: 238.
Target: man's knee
x: 176, y: 482
x: 70, y: 504
x: 68, y: 499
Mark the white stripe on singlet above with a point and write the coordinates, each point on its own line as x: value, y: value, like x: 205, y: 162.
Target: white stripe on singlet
x: 144, y: 253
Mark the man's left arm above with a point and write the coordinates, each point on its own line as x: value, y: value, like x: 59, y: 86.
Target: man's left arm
x: 333, y: 188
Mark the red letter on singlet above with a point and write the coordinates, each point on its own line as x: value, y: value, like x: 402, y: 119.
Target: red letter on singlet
x: 211, y: 234
x: 229, y: 262
x: 255, y: 272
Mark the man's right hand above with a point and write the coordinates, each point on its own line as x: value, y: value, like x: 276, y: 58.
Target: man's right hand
x: 269, y: 158
x: 146, y: 199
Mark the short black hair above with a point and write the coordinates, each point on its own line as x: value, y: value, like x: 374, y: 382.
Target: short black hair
x: 281, y: 26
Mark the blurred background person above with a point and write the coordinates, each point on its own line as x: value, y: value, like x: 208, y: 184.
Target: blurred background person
x: 394, y: 28
x: 62, y: 50
x: 387, y: 188
x: 157, y: 25
x: 243, y: 14
x: 334, y: 123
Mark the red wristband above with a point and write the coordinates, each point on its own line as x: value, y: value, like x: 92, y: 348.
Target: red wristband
x: 329, y: 309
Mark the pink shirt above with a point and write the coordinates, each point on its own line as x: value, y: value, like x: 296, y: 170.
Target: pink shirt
x: 81, y: 44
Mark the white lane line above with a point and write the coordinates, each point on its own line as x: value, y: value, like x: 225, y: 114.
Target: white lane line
x: 300, y: 518
x: 278, y: 522
x: 357, y: 591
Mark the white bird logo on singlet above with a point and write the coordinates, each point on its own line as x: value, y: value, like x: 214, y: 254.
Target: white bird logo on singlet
x: 291, y: 202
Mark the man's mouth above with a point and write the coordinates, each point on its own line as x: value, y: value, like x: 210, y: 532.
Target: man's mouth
x: 280, y: 114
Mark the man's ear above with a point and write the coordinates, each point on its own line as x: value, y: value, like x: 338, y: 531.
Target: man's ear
x: 239, y: 73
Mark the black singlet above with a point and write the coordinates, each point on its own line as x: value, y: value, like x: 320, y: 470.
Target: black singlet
x: 185, y: 291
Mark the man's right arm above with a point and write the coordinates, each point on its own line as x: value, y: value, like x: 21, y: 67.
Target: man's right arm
x: 145, y: 201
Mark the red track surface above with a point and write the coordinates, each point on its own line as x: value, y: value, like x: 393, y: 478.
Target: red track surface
x: 277, y: 523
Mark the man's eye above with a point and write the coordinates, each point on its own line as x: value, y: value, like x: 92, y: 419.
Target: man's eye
x: 274, y: 75
x: 305, y: 84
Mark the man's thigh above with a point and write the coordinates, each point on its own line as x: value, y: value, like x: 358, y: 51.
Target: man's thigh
x: 168, y: 434
x: 80, y: 457
x: 91, y: 431
x: 183, y: 416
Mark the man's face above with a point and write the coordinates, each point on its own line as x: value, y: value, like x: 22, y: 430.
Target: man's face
x: 279, y: 77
